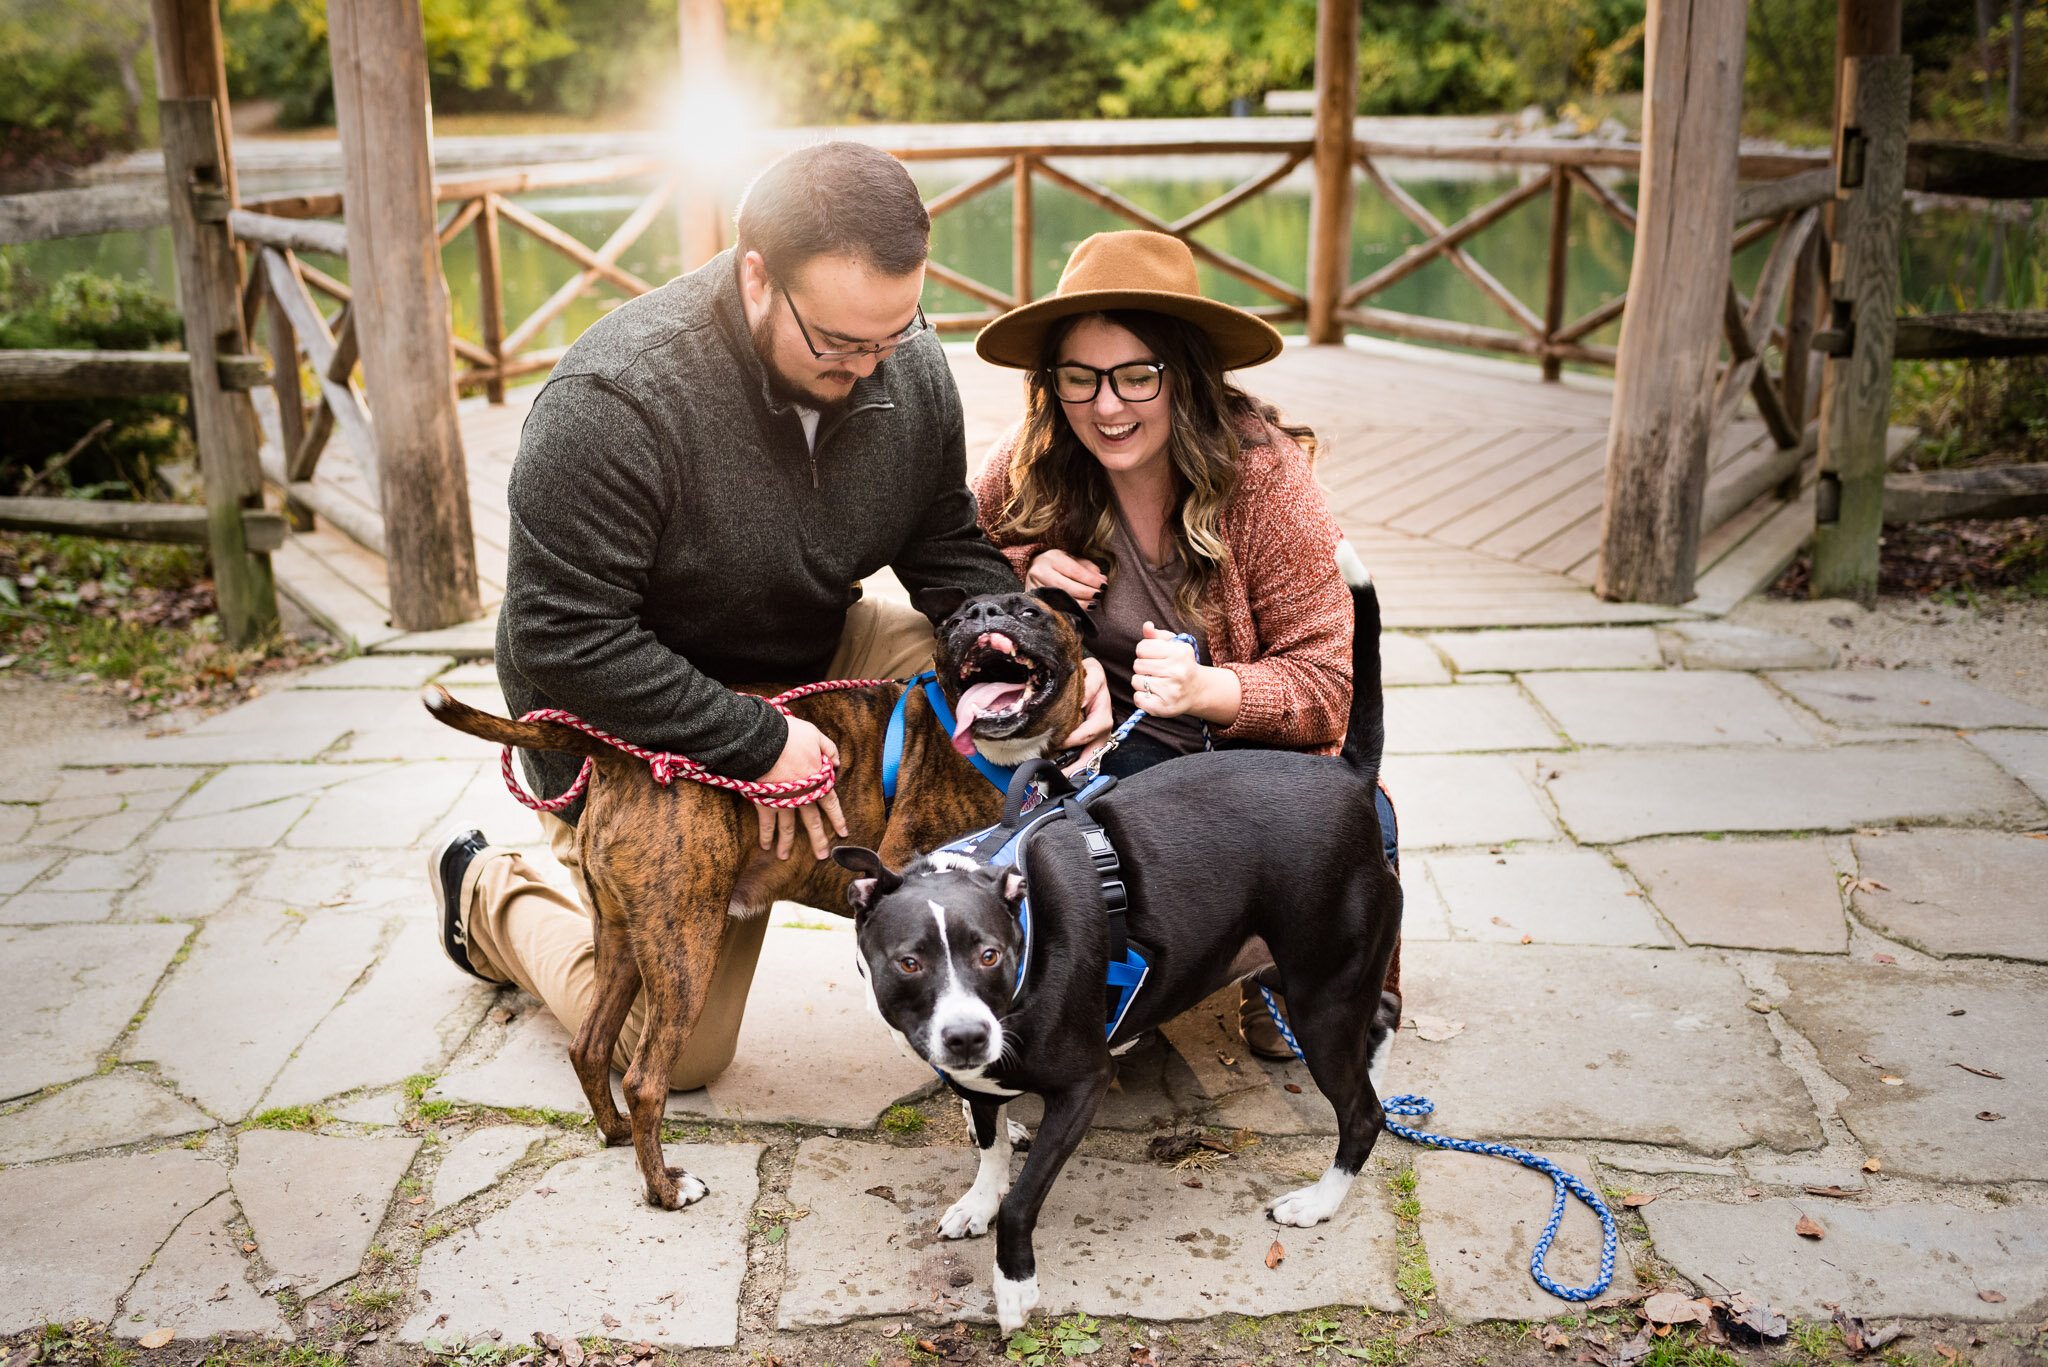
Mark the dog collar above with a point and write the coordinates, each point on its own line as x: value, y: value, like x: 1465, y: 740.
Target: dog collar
x: 892, y: 739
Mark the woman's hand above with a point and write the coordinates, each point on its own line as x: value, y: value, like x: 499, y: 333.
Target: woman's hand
x: 803, y: 754
x: 1081, y: 579
x: 1166, y: 681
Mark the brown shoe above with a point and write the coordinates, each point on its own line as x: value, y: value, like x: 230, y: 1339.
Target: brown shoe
x: 1255, y: 1023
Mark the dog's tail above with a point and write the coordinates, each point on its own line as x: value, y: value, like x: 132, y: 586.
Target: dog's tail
x: 527, y: 735
x: 1366, y: 734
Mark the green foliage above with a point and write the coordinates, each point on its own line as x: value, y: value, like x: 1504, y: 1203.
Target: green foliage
x: 71, y: 80
x: 903, y: 1120
x: 1180, y: 58
x: 1567, y: 46
x: 1418, y: 58
x: 289, y: 1118
x: 1789, y: 80
x: 87, y: 312
x: 1073, y: 1337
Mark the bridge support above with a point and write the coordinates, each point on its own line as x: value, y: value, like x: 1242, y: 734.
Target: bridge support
x: 1329, y: 237
x: 1678, y: 283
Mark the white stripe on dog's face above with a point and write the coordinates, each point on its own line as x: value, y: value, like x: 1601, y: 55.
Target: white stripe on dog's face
x: 958, y: 1009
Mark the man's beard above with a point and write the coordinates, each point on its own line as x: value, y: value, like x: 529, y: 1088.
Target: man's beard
x: 786, y: 388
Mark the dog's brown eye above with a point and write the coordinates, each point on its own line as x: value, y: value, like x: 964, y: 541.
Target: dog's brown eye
x: 909, y: 964
x: 990, y: 957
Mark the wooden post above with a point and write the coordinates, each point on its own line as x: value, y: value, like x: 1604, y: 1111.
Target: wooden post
x: 1560, y: 241
x: 491, y: 295
x: 1329, y: 237
x: 1021, y: 232
x: 1863, y: 304
x: 1678, y: 283
x: 400, y: 307
x: 1802, y: 319
x: 190, y: 65
x: 210, y: 295
x: 700, y: 212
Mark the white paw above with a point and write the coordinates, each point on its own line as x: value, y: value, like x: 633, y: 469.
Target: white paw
x: 1312, y: 1205
x: 690, y: 1190
x: 1014, y: 1301
x: 1018, y: 1134
x: 969, y: 1216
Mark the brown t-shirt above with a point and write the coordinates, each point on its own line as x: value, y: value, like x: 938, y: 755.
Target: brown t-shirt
x: 1137, y: 594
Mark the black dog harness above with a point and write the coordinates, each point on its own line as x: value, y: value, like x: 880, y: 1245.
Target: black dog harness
x: 1003, y: 844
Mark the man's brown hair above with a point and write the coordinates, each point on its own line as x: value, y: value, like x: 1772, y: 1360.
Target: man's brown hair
x: 837, y: 198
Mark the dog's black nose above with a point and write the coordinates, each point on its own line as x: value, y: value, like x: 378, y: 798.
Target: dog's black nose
x: 964, y: 1040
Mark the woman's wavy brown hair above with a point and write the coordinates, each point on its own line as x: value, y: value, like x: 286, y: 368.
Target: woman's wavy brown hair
x: 1061, y: 497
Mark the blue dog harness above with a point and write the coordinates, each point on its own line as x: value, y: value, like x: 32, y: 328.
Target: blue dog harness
x: 892, y: 739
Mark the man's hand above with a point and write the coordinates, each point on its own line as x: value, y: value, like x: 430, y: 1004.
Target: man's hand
x: 1167, y: 681
x: 1096, y: 717
x: 803, y: 754
x: 1082, y: 579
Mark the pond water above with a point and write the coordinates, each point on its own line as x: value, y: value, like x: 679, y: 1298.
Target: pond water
x: 1948, y: 252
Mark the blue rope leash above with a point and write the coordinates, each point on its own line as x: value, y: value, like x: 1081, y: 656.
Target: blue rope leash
x: 1561, y: 1181
x: 1117, y: 737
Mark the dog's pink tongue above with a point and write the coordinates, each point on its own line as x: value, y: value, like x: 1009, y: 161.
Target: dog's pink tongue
x: 977, y: 699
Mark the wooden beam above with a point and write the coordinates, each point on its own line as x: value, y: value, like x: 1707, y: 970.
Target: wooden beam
x: 571, y: 248
x: 298, y: 204
x: 224, y: 421
x: 1422, y: 218
x: 599, y: 262
x: 1224, y: 203
x: 550, y: 176
x: 1560, y: 256
x: 191, y: 64
x: 80, y: 213
x: 1955, y: 336
x: 1441, y: 242
x: 1776, y: 198
x: 400, y: 308
x: 1989, y: 491
x: 960, y: 194
x: 1678, y: 281
x: 28, y: 375
x: 1330, y: 205
x: 178, y: 523
x: 292, y: 234
x: 1982, y: 170
x: 1856, y: 389
x: 1021, y: 236
x: 491, y: 292
x: 969, y: 286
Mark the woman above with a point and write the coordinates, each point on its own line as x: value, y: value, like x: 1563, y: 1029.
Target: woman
x: 1167, y: 500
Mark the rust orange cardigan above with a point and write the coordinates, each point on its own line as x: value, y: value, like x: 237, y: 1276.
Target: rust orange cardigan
x: 1281, y: 616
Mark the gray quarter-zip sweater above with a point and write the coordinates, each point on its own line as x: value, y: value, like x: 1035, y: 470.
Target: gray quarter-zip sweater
x: 673, y: 534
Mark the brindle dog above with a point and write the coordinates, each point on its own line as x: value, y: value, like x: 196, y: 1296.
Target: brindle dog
x: 664, y: 867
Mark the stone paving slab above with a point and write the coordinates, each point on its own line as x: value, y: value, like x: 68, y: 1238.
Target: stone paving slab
x: 20, y: 870
x: 479, y: 1159
x: 1410, y: 660
x: 2023, y: 754
x: 1108, y: 1242
x: 1649, y: 1046
x: 96, y: 873
x: 1745, y: 894
x: 1423, y: 915
x: 1451, y: 718
x: 1610, y: 796
x: 121, y: 1107
x: 1958, y: 892
x: 1907, y: 1020
x: 1916, y: 1258
x: 531, y: 1068
x: 199, y: 1286
x: 115, y: 832
x: 411, y: 1014
x: 185, y: 883
x: 255, y: 829
x: 1557, y: 895
x: 1723, y: 645
x: 38, y: 907
x: 291, y: 724
x: 67, y: 992
x: 375, y: 671
x: 254, y: 986
x: 1449, y: 800
x: 315, y: 1201
x: 1532, y: 650
x: 562, y: 1263
x: 1481, y: 1217
x: 1668, y: 707
x: 408, y: 731
x: 14, y: 824
x: 241, y: 787
x: 393, y: 809
x: 78, y: 1233
x: 1904, y: 697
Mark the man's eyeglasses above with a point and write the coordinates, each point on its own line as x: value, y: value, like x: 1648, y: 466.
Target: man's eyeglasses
x: 1133, y: 383
x: 917, y: 326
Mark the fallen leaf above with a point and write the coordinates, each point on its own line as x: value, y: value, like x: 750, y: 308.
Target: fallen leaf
x: 1988, y: 1297
x: 248, y: 1248
x: 1675, y: 1307
x: 608, y: 1321
x: 1959, y: 1011
x: 1635, y: 1350
x: 1292, y: 1087
x: 550, y: 1342
x: 890, y: 1331
x: 1186, y: 1238
x: 1528, y: 939
x: 543, y: 1191
x: 1944, y: 1352
x: 1882, y: 959
x: 1141, y: 1355
x: 1890, y: 1081
x: 1980, y: 1072
x: 157, y: 1338
x: 1808, y: 1229
x: 1194, y: 1182
x: 1501, y: 922
x: 1275, y: 1254
x: 1419, y: 1332
x: 1552, y: 1337
x: 1832, y: 1190
x: 927, y: 1346
x: 1760, y: 1007
x: 417, y: 1201
x: 886, y: 1193
x: 1867, y: 885
x: 572, y: 1353
x: 1752, y: 1192
x: 1754, y: 1318
x: 1868, y: 1059
x: 1989, y: 1115
x: 1436, y: 1029
x: 1872, y: 1165
x: 1640, y: 1198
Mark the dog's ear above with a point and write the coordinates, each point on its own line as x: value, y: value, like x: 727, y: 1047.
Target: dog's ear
x: 879, y: 879
x: 1008, y: 883
x: 940, y: 603
x: 1062, y: 602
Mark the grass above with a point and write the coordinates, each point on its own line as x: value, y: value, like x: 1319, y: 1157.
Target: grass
x: 904, y: 1120
x: 1412, y: 1277
x: 289, y: 1118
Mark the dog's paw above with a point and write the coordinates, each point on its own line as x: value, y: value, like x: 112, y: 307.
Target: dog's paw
x: 968, y: 1217
x: 1014, y: 1301
x: 1312, y: 1205
x: 1020, y: 1138
x: 689, y: 1190
x: 676, y: 1190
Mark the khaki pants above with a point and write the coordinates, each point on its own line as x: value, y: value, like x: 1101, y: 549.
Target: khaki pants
x: 527, y: 930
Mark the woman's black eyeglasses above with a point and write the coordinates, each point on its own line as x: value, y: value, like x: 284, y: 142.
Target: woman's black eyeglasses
x: 917, y: 326
x: 1133, y: 383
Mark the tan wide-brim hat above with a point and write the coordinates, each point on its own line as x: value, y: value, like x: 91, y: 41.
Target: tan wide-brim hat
x: 1128, y: 270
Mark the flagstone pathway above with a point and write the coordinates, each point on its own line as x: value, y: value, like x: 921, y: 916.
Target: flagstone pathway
x: 1718, y: 934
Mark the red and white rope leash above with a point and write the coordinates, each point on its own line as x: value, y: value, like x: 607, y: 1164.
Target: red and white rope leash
x: 796, y: 792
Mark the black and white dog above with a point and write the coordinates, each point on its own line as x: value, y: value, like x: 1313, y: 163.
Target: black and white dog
x: 1216, y: 848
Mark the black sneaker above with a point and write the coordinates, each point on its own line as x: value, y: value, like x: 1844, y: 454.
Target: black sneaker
x: 447, y: 862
